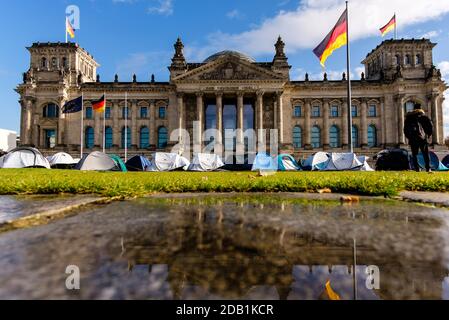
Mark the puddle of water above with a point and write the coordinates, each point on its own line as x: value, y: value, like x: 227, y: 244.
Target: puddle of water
x: 252, y: 247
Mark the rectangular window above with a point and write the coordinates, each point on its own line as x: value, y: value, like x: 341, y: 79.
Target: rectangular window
x: 354, y: 112
x: 89, y: 113
x: 143, y: 112
x: 50, y: 138
x: 107, y: 113
x: 334, y: 112
x: 125, y: 113
x: 298, y: 112
x: 316, y: 112
x: 372, y: 112
x: 162, y: 113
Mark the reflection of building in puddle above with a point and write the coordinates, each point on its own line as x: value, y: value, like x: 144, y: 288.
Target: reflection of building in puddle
x: 211, y: 255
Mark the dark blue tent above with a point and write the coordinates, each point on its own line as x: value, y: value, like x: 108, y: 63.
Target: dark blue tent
x: 138, y: 163
x: 392, y: 160
x: 435, y: 163
x: 445, y: 161
x: 264, y: 162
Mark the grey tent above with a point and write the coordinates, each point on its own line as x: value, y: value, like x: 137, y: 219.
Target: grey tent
x: 97, y: 161
x: 346, y: 162
x: 206, y: 162
x: 168, y: 162
x: 24, y: 157
x: 62, y: 160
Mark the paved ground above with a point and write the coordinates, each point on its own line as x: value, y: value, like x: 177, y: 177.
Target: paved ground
x: 435, y: 198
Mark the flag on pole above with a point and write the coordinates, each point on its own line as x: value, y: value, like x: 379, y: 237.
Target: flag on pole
x: 73, y: 106
x: 69, y: 28
x: 100, y: 105
x: 390, y: 26
x: 334, y: 40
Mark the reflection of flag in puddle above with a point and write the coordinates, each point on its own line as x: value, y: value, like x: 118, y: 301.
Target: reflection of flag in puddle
x: 330, y: 293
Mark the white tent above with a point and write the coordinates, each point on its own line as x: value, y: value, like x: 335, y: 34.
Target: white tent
x: 316, y: 162
x: 96, y: 161
x: 168, y: 162
x: 24, y: 158
x: 61, y: 159
x: 346, y: 162
x: 206, y: 162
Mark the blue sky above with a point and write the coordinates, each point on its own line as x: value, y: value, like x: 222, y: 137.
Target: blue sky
x: 137, y: 36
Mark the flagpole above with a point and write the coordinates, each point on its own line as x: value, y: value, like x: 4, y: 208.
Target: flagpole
x: 126, y: 126
x: 82, y: 125
x: 395, y: 27
x: 104, y: 124
x: 348, y: 62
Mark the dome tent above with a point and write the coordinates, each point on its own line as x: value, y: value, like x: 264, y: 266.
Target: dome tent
x: 24, y: 157
x: 120, y: 165
x: 392, y: 160
x: 138, y: 163
x: 287, y: 163
x: 97, y: 161
x: 435, y: 163
x: 316, y: 162
x: 62, y: 160
x: 346, y: 162
x: 264, y: 162
x: 168, y: 162
x: 204, y: 162
x: 445, y: 161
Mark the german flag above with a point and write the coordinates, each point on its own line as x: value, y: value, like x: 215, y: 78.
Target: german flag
x: 69, y: 28
x: 99, y: 106
x: 334, y: 40
x: 389, y: 26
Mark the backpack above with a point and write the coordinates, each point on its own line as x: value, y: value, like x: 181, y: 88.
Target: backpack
x: 414, y: 130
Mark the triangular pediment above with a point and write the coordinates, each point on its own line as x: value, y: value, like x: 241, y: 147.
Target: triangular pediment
x: 229, y: 69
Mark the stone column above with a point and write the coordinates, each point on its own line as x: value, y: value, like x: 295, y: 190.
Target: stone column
x: 435, y: 119
x: 364, y: 124
x: 307, y: 127
x: 25, y: 135
x: 134, y: 129
x: 345, y: 126
x: 153, y: 129
x: 259, y: 118
x: 180, y: 116
x: 200, y: 118
x: 116, y: 130
x: 383, y: 122
x: 401, y: 118
x: 441, y: 120
x: 219, y: 138
x: 98, y: 140
x: 280, y: 117
x: 240, y: 127
x: 326, y: 124
x: 61, y: 125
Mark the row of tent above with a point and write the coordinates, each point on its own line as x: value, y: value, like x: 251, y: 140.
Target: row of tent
x: 387, y: 160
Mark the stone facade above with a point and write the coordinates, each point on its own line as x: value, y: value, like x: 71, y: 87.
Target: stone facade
x: 223, y: 92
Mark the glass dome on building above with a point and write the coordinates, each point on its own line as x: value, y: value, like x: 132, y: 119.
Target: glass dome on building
x: 229, y: 53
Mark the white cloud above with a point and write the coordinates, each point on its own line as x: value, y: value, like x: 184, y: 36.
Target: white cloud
x: 143, y: 64
x: 431, y: 34
x: 444, y: 68
x: 306, y: 26
x: 163, y: 7
x: 234, y: 14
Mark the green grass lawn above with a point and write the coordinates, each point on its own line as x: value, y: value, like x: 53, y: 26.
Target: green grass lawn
x: 117, y: 184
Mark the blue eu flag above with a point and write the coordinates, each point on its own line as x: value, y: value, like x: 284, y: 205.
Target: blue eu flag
x: 73, y: 106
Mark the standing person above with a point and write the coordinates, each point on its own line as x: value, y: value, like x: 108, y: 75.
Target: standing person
x: 418, y: 128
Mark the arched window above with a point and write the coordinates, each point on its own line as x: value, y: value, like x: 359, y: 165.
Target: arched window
x: 407, y: 60
x: 334, y: 137
x: 54, y: 63
x: 162, y: 138
x: 126, y: 135
x: 108, y: 138
x: 51, y: 110
x: 144, y: 138
x: 316, y: 137
x: 297, y: 137
x: 44, y: 62
x: 355, y: 137
x: 372, y: 136
x: 418, y: 59
x: 89, y: 137
x: 64, y: 62
x: 398, y: 60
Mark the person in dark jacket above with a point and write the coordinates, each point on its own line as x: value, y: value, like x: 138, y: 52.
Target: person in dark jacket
x: 418, y: 128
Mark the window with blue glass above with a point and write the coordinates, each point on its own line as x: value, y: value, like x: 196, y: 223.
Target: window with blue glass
x: 125, y: 113
x: 144, y: 137
x: 50, y: 138
x: 297, y: 112
x: 372, y: 111
x: 316, y: 111
x: 51, y: 110
x: 372, y: 136
x: 162, y: 138
x: 162, y: 112
x: 107, y: 113
x: 355, y: 137
x: 355, y: 111
x: 108, y: 138
x: 89, y: 113
x: 297, y: 137
x: 89, y: 137
x: 409, y: 106
x: 144, y: 112
x: 335, y: 111
x: 334, y: 137
x: 316, y: 137
x: 126, y: 135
